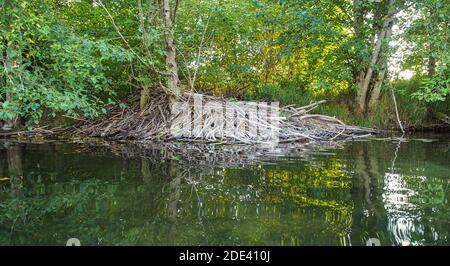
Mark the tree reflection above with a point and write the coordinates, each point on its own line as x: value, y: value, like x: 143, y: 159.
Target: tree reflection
x: 11, y: 169
x: 159, y: 197
x: 389, y: 196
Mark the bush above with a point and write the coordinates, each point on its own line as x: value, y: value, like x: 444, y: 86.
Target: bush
x: 46, y: 67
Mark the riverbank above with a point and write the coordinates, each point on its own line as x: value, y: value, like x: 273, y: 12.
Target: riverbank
x: 415, y: 115
x: 195, y: 117
x: 128, y: 119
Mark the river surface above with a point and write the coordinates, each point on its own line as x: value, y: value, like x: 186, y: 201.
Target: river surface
x: 394, y: 189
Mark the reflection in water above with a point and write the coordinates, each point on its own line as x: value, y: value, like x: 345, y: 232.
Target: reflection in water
x: 14, y: 167
x: 341, y: 195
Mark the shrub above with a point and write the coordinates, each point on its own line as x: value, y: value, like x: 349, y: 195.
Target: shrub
x: 45, y: 66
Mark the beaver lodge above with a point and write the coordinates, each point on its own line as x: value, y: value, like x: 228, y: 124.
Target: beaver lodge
x: 194, y: 117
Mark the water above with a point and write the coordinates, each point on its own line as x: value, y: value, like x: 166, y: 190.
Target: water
x: 396, y: 190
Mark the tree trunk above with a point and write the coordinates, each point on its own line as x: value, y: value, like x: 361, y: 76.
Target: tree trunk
x: 383, y: 33
x: 431, y: 59
x: 375, y: 94
x: 364, y: 89
x: 431, y: 66
x: 359, y: 13
x: 171, y: 63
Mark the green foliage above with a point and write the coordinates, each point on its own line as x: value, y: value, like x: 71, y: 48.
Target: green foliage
x: 240, y: 46
x: 287, y: 93
x: 47, y: 67
x: 67, y: 57
x: 428, y: 35
x: 435, y: 88
x: 143, y: 38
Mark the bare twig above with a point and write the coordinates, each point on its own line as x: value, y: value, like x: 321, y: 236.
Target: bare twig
x: 100, y: 3
x: 396, y: 112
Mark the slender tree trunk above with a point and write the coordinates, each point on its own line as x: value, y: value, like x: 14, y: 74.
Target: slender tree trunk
x: 360, y: 13
x: 431, y: 59
x: 431, y: 66
x: 152, y: 13
x: 375, y: 94
x: 364, y: 89
x: 376, y: 91
x: 383, y: 33
x: 171, y: 63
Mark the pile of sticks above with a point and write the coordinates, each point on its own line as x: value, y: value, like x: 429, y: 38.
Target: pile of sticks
x: 209, y: 120
x: 131, y: 123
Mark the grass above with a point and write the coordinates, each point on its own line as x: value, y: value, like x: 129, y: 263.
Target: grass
x: 413, y: 113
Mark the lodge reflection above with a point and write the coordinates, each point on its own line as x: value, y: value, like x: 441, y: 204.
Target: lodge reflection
x: 338, y: 199
x: 252, y: 195
x: 11, y: 167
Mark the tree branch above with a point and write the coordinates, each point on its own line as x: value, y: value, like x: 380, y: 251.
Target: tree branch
x: 174, y: 13
x: 100, y: 3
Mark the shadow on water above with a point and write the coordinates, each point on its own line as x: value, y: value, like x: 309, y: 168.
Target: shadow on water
x: 395, y: 189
